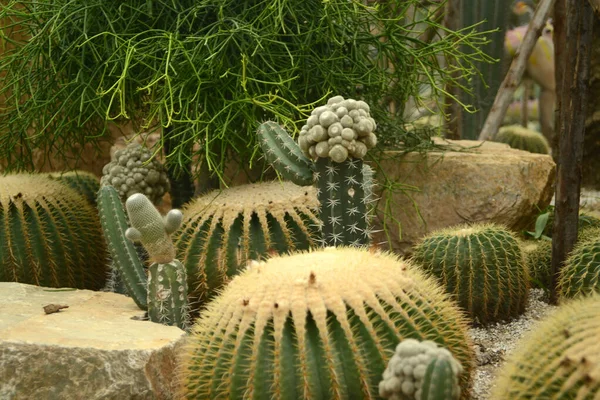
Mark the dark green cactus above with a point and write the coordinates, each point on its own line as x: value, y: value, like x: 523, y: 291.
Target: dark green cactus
x: 483, y: 266
x: 49, y: 235
x: 522, y: 138
x: 580, y: 275
x: 336, y: 137
x: 284, y: 154
x: 85, y: 183
x: 167, y: 283
x: 125, y: 261
x: 223, y: 230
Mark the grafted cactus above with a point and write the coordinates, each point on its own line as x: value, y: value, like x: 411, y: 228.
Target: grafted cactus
x: 331, y: 148
x: 317, y: 325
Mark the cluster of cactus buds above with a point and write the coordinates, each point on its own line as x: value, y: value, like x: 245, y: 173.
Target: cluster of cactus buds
x: 338, y: 130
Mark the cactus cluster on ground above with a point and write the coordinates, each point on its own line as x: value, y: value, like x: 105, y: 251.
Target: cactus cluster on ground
x: 319, y: 324
x: 482, y: 265
x: 49, y: 235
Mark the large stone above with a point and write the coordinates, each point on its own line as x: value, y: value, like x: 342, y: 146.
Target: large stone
x: 482, y: 182
x: 91, y: 350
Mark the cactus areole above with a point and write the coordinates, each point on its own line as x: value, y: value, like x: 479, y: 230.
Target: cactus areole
x: 330, y: 151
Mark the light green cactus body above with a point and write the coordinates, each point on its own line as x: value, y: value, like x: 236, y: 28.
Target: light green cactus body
x: 522, y: 138
x: 125, y: 261
x: 85, y: 183
x: 167, y: 294
x: 223, y: 230
x: 284, y: 154
x: 580, y: 275
x: 440, y: 381
x: 483, y: 266
x: 559, y: 358
x: 317, y: 325
x: 538, y: 254
x: 49, y: 235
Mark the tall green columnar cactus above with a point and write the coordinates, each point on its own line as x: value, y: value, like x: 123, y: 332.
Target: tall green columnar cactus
x: 317, y: 325
x: 483, y: 266
x: 49, y: 235
x: 331, y: 147
x: 167, y: 281
x: 125, y: 260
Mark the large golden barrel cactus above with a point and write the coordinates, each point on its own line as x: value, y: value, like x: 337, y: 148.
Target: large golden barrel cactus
x: 222, y: 230
x: 558, y: 359
x: 317, y: 325
x: 50, y: 235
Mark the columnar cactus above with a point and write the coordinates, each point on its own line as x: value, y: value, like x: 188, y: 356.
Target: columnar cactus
x: 126, y: 265
x: 222, y: 230
x: 580, y: 275
x: 421, y: 371
x: 558, y: 359
x: 334, y: 142
x: 522, y: 138
x: 49, y: 235
x: 483, y: 266
x: 83, y: 182
x: 167, y: 281
x: 319, y: 324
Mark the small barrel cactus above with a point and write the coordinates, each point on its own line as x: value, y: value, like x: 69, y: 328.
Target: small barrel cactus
x: 421, y: 371
x: 580, y: 275
x: 586, y: 220
x: 320, y: 324
x: 538, y: 254
x: 49, y: 235
x: 558, y: 359
x: 134, y: 170
x: 483, y: 266
x: 83, y: 182
x: 222, y: 230
x: 519, y: 137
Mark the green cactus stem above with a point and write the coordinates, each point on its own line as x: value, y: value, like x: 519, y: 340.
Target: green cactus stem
x: 125, y: 260
x: 167, y: 294
x: 284, y: 154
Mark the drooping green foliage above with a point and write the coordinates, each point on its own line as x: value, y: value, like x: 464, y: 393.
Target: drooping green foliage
x: 208, y: 70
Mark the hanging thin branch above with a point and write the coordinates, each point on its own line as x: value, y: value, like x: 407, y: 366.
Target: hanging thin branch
x: 516, y: 71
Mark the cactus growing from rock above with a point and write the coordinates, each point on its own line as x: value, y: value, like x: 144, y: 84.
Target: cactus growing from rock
x: 331, y: 147
x: 483, y: 266
x: 558, y: 359
x: 522, y: 138
x: 580, y: 275
x: 49, y: 235
x: 167, y: 281
x: 222, y: 230
x: 83, y: 182
x: 421, y: 371
x: 319, y: 324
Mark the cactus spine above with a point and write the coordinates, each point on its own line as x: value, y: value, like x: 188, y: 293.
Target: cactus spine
x: 49, y: 235
x: 558, y: 359
x: 319, y: 324
x: 483, y: 266
x: 125, y: 260
x: 83, y: 182
x: 224, y: 229
x: 167, y: 282
x: 581, y: 273
x: 333, y: 143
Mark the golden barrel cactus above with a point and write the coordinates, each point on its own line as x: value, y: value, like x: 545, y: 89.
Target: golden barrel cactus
x: 317, y: 325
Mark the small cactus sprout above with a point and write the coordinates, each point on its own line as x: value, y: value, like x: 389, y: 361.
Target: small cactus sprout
x: 134, y: 170
x: 421, y: 371
x: 149, y: 228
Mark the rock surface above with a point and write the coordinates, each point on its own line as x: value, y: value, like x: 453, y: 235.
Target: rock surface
x: 483, y: 182
x: 91, y: 350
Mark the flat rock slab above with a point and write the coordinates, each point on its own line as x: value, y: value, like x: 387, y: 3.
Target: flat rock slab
x: 91, y: 350
x: 469, y: 182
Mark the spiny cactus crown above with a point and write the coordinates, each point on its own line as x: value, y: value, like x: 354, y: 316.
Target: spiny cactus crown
x: 149, y: 228
x: 338, y: 130
x: 133, y: 170
x: 404, y: 376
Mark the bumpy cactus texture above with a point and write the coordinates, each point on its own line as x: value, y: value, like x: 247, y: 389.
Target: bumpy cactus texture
x: 483, y: 266
x: 558, y: 359
x: 167, y: 294
x: 134, y: 170
x: 85, y: 183
x: 49, y: 235
x: 580, y: 275
x: 222, y: 230
x: 421, y: 371
x: 519, y: 137
x: 127, y: 267
x: 317, y: 325
x: 339, y: 130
